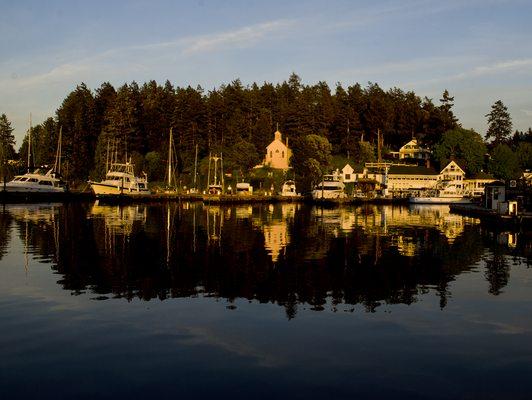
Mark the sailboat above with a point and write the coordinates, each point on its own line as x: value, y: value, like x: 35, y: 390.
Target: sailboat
x: 171, y: 181
x: 216, y: 186
x: 38, y: 181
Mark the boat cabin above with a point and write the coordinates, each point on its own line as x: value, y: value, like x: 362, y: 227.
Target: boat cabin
x: 215, y: 189
x: 244, y: 188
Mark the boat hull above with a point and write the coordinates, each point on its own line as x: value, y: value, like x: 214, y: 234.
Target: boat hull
x: 101, y: 189
x: 439, y: 200
x: 319, y: 194
x: 14, y: 188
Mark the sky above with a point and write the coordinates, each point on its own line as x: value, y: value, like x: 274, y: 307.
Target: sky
x: 479, y: 50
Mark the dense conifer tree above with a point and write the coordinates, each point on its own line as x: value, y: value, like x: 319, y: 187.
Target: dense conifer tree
x: 7, y: 139
x: 499, y: 123
x: 235, y: 119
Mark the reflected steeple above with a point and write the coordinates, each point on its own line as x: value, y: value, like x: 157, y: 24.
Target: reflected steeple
x: 324, y: 258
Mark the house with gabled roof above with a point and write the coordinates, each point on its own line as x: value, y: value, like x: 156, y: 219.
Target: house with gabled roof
x: 412, y: 150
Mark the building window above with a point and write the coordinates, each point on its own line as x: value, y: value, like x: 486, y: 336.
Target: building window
x: 271, y: 154
x: 282, y: 154
x: 347, y: 176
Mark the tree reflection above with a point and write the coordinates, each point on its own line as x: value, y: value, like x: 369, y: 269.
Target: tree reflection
x: 268, y: 253
x: 5, y: 231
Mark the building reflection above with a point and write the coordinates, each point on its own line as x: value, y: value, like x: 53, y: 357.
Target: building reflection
x: 395, y: 222
x: 288, y: 254
x: 274, y: 223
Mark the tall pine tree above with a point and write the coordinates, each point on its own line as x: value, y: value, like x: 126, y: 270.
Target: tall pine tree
x: 499, y: 123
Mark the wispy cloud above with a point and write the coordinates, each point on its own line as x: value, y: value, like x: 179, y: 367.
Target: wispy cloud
x: 515, y: 66
x: 237, y: 38
x: 79, y: 69
x: 58, y: 73
x: 413, y: 65
x: 511, y: 65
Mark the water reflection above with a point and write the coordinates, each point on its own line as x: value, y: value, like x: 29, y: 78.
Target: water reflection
x: 287, y: 254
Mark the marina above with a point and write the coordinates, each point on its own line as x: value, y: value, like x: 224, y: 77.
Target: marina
x: 266, y: 200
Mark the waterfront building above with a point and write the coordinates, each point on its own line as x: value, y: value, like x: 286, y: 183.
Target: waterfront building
x: 474, y: 185
x: 412, y: 150
x: 453, y: 175
x: 403, y: 178
x: 495, y: 195
x: 347, y: 174
x: 278, y: 153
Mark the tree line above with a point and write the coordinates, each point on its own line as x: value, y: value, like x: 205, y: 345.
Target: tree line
x: 239, y: 122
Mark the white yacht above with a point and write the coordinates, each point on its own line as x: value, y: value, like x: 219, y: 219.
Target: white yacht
x: 331, y: 187
x: 36, y: 181
x: 446, y: 195
x: 289, y: 189
x: 40, y: 180
x: 121, y: 180
x: 440, y: 198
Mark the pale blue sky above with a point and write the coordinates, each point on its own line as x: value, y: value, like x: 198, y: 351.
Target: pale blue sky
x: 479, y: 50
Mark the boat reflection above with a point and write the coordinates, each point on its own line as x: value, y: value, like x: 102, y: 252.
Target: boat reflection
x: 287, y: 254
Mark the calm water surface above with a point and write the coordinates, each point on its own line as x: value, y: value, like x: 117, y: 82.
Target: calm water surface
x: 268, y: 301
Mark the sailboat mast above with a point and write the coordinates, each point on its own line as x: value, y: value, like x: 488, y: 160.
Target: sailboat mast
x: 107, y: 158
x: 215, y: 170
x: 209, y: 172
x: 57, y: 164
x: 222, y: 171
x: 170, y: 145
x: 29, y: 146
x: 195, y: 165
x: 60, y: 155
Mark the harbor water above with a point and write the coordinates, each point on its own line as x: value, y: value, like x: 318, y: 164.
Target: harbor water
x: 262, y: 301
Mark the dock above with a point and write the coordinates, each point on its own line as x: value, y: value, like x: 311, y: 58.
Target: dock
x: 491, y: 216
x: 75, y: 196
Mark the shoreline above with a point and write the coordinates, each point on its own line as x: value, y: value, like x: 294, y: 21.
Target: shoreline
x: 74, y: 196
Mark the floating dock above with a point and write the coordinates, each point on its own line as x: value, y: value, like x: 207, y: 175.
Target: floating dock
x: 491, y: 216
